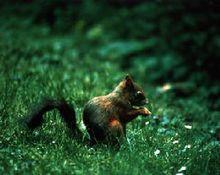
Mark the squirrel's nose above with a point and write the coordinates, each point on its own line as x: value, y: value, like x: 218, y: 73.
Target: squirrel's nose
x: 146, y: 101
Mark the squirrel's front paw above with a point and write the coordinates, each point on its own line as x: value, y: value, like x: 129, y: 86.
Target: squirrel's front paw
x: 145, y: 111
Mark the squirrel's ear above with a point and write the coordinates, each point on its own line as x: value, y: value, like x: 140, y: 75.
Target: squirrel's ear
x: 128, y: 81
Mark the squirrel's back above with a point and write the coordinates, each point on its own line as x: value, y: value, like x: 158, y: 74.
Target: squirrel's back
x: 98, y: 110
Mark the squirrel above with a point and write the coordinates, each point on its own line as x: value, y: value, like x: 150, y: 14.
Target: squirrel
x: 105, y: 117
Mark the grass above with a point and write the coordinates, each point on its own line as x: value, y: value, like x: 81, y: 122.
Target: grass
x: 35, y: 64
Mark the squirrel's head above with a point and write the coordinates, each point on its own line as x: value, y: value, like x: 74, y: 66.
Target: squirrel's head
x: 132, y: 92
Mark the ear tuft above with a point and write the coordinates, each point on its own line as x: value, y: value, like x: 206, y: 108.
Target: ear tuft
x: 128, y: 81
x: 127, y: 77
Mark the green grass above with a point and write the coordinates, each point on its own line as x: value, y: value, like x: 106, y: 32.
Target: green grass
x: 35, y: 64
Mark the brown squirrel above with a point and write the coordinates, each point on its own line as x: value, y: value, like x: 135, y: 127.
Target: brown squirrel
x: 105, y: 117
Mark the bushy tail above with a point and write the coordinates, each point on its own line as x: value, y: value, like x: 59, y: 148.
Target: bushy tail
x: 66, y: 110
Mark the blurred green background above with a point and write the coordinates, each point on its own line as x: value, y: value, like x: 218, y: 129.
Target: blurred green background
x: 81, y: 49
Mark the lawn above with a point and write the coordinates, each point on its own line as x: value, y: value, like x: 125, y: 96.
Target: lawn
x: 179, y: 136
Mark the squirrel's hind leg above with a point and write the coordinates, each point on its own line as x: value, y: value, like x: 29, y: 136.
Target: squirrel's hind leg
x: 115, y: 133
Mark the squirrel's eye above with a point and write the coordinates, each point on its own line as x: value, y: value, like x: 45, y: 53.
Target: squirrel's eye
x: 139, y: 94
